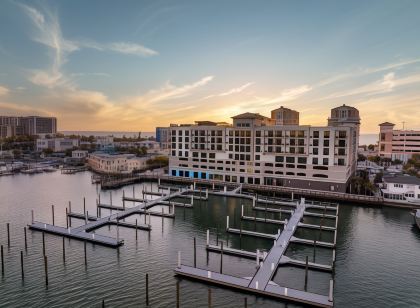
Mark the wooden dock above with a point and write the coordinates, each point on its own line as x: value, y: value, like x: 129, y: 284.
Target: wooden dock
x: 261, y: 282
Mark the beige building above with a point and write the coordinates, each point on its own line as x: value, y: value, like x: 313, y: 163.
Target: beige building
x: 116, y: 163
x: 259, y: 150
x: 398, y: 144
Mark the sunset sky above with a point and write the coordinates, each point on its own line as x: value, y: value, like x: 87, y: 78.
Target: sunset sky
x: 134, y: 65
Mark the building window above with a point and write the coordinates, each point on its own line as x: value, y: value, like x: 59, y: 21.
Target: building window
x: 325, y: 161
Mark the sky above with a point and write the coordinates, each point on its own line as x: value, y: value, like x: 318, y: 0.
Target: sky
x: 134, y: 65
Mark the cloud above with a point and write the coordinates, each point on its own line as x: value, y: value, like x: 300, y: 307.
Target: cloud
x: 388, y: 83
x: 288, y: 95
x: 231, y: 91
x: 90, y: 74
x: 4, y: 90
x: 48, y: 32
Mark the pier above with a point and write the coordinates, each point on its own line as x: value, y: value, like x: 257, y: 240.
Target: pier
x: 85, y: 232
x: 261, y: 282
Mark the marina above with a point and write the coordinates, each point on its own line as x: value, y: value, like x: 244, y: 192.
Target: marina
x: 239, y: 251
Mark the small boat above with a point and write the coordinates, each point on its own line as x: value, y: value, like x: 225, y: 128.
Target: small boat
x: 416, y: 215
x: 5, y: 172
x: 30, y: 171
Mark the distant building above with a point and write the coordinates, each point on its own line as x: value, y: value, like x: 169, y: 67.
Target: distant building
x: 401, y: 188
x: 31, y: 125
x: 79, y: 154
x: 104, y: 143
x: 269, y: 151
x: 56, y: 144
x: 398, y: 144
x: 163, y: 137
x: 116, y: 163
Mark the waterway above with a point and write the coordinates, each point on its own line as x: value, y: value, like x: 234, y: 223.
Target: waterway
x: 377, y: 252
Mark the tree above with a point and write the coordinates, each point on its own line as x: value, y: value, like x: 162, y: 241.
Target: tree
x: 371, y: 147
x: 47, y: 151
x: 361, y: 157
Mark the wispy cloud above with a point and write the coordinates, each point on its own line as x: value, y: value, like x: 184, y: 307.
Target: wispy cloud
x: 90, y: 74
x: 388, y: 83
x: 4, y: 90
x: 287, y: 95
x: 48, y: 32
x: 170, y: 91
x: 231, y: 91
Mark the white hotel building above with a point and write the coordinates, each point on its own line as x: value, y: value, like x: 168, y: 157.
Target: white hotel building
x: 271, y: 151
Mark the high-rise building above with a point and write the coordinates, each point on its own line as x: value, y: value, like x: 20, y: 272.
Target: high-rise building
x: 398, y: 144
x: 31, y: 125
x: 269, y: 151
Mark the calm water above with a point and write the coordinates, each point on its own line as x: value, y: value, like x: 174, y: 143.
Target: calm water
x: 377, y: 254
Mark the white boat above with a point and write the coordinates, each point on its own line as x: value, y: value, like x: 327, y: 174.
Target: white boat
x: 416, y: 215
x: 31, y: 171
x: 5, y: 172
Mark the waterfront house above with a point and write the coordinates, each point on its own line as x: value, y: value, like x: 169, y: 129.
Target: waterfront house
x: 402, y: 188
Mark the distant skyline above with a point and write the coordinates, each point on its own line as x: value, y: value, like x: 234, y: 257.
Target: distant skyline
x: 134, y: 65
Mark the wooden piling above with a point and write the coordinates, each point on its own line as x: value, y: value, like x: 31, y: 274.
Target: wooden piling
x: 221, y: 258
x: 67, y: 218
x: 8, y: 234
x: 64, y: 251
x: 43, y: 243
x: 21, y: 265
x: 314, y: 251
x: 209, y: 297
x: 306, y: 273
x: 84, y: 246
x: 147, y: 289
x: 2, y: 260
x: 46, y: 270
x: 177, y: 295
x: 69, y: 212
x: 123, y: 199
x: 26, y: 240
x: 195, y: 253
x: 52, y: 212
x: 32, y: 216
x: 136, y: 230
x: 84, y: 206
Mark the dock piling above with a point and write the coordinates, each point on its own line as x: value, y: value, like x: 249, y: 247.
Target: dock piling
x: 136, y: 230
x: 26, y: 241
x: 21, y: 265
x: 46, y: 270
x: 2, y: 260
x: 8, y: 234
x: 147, y: 289
x: 43, y: 243
x: 32, y: 216
x: 84, y: 206
x: 209, y: 297
x: 245, y: 302
x: 179, y: 259
x: 67, y: 218
x: 306, y: 273
x: 177, y: 294
x: 52, y: 213
x: 195, y: 253
x: 64, y: 251
x: 330, y: 294
x: 208, y: 237
x: 84, y: 246
x: 221, y: 258
x: 69, y: 212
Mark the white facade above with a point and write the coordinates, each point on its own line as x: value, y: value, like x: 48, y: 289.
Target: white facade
x: 79, y: 154
x: 256, y: 151
x: 56, y: 144
x: 116, y: 163
x: 401, y: 188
